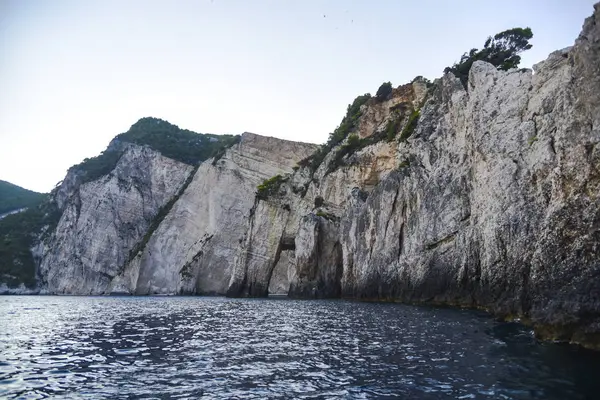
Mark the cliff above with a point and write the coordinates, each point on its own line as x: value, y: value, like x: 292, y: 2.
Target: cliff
x: 480, y: 196
x: 157, y: 225
x: 490, y: 200
x: 102, y: 220
x: 193, y: 248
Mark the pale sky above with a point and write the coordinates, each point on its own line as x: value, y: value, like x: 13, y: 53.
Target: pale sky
x: 74, y: 74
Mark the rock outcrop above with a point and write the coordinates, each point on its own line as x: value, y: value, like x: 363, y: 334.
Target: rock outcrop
x: 303, y: 217
x: 155, y: 225
x: 318, y: 259
x: 104, y: 219
x: 492, y: 202
x: 193, y: 249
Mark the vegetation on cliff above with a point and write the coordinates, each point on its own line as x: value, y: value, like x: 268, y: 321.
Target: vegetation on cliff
x: 410, y: 126
x: 168, y: 139
x: 96, y: 167
x: 354, y: 143
x: 384, y: 91
x: 391, y: 129
x: 18, y: 234
x: 173, y: 142
x: 13, y: 197
x: 502, y: 50
x: 348, y: 124
x: 269, y: 187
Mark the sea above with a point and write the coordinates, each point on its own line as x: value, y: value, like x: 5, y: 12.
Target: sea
x: 68, y: 347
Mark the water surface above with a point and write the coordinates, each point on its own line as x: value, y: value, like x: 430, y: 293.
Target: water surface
x: 194, y: 347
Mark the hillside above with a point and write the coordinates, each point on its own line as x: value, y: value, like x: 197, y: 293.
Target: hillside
x: 171, y: 141
x: 13, y: 197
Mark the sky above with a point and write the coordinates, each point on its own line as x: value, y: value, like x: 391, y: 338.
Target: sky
x: 74, y: 74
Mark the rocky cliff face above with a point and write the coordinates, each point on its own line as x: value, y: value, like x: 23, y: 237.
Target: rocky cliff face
x: 194, y: 247
x: 492, y: 202
x: 485, y: 196
x: 102, y: 220
x: 156, y: 225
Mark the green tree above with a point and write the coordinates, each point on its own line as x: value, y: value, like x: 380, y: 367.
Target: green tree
x: 270, y: 187
x: 348, y: 124
x: 502, y: 50
x: 384, y: 91
x: 353, y: 141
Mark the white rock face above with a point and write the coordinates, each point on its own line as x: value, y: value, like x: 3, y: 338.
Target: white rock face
x: 12, y: 212
x: 318, y: 258
x: 492, y: 202
x: 103, y: 220
x: 283, y: 274
x: 194, y: 247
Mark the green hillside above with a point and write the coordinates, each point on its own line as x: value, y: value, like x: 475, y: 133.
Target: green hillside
x: 13, y: 197
x: 168, y: 139
x: 18, y: 233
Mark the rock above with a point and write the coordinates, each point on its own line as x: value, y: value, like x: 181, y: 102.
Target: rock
x: 282, y: 275
x: 260, y: 251
x: 318, y: 256
x: 104, y: 219
x: 193, y: 249
x: 492, y: 202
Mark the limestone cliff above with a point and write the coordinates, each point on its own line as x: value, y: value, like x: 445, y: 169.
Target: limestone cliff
x: 152, y: 224
x: 102, y: 220
x: 485, y: 196
x: 193, y: 249
x: 491, y: 200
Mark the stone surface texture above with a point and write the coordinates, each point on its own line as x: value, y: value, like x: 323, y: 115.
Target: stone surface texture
x: 193, y: 249
x: 104, y: 219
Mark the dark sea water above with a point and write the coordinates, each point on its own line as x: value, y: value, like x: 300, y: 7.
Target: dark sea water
x: 193, y: 347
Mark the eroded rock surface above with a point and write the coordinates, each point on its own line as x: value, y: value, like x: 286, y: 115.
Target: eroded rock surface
x: 104, y: 219
x: 492, y: 202
x: 193, y: 249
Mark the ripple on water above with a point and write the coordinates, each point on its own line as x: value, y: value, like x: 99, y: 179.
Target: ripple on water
x: 165, y: 347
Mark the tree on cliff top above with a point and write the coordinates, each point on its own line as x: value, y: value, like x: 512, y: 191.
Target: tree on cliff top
x: 502, y: 51
x: 384, y: 91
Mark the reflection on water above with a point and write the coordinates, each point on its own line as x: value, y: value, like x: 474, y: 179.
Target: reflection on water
x: 185, y: 347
